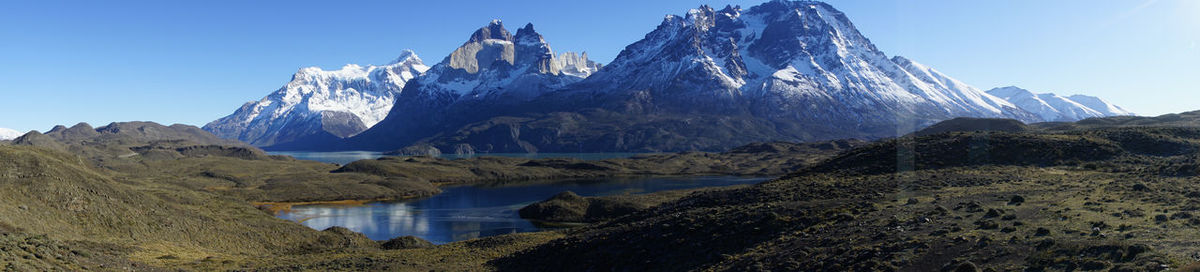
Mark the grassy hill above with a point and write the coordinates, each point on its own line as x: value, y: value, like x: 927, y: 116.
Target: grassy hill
x: 1079, y: 198
x: 1119, y: 193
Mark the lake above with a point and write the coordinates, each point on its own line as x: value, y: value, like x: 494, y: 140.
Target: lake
x: 344, y: 157
x: 468, y: 212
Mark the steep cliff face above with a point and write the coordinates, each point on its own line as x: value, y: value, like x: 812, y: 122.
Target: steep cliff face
x: 492, y: 74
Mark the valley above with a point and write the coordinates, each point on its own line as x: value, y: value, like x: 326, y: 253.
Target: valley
x: 1054, y: 196
x: 775, y: 137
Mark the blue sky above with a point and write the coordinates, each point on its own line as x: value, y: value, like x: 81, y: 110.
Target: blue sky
x: 64, y: 62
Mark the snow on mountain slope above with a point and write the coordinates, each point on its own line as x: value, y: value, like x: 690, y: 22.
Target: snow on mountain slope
x: 338, y: 103
x: 9, y: 134
x: 491, y: 71
x: 1097, y: 104
x: 787, y: 58
x: 494, y: 62
x: 707, y: 80
x: 1054, y: 108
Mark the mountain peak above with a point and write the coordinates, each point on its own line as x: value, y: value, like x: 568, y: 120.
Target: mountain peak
x: 528, y: 27
x: 407, y: 56
x: 493, y: 31
x: 1010, y: 92
x: 526, y: 35
x: 731, y: 9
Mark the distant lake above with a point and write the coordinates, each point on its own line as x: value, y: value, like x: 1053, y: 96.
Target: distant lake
x: 468, y: 212
x: 344, y: 157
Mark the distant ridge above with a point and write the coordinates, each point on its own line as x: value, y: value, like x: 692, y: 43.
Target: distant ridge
x: 1053, y: 108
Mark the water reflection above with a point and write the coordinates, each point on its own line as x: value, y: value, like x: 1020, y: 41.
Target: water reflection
x: 467, y: 212
x: 340, y: 157
x: 344, y: 157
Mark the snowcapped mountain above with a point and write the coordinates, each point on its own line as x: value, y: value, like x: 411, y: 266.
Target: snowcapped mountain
x: 787, y: 59
x: 9, y: 134
x: 490, y: 72
x: 708, y: 80
x: 320, y: 105
x: 1053, y: 108
x: 1099, y: 105
x: 495, y: 63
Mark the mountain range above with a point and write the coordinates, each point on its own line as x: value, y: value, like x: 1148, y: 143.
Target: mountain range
x: 707, y: 80
x: 1053, y: 108
x: 320, y: 105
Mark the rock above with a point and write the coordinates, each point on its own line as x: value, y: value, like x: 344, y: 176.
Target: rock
x: 1016, y: 200
x: 912, y: 201
x: 1041, y: 232
x: 1141, y: 187
x: 405, y: 242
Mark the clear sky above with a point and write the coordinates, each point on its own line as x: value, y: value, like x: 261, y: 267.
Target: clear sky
x: 64, y: 62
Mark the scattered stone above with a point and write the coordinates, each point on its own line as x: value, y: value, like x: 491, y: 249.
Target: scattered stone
x: 1041, y: 232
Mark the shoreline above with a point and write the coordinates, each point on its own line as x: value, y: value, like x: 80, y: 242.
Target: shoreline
x: 278, y: 207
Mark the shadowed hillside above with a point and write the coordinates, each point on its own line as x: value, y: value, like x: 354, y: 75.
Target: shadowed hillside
x: 1085, y: 198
